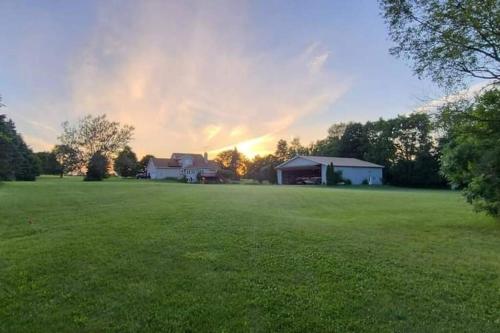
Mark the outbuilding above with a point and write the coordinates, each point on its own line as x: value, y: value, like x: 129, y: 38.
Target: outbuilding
x: 314, y: 167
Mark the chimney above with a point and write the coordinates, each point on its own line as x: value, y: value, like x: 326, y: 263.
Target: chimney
x: 205, y: 157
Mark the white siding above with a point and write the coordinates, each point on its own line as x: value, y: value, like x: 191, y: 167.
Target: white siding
x: 162, y: 173
x: 357, y: 175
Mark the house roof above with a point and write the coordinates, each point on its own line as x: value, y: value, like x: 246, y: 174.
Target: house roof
x: 174, y: 161
x: 336, y: 161
x: 164, y: 162
x: 181, y: 155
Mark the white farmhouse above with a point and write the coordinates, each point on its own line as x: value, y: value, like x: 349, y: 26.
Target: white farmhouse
x: 181, y: 165
x: 357, y: 171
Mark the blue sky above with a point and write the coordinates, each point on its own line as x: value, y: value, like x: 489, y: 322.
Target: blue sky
x: 201, y: 75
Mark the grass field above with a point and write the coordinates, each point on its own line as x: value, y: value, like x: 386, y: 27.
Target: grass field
x: 127, y: 255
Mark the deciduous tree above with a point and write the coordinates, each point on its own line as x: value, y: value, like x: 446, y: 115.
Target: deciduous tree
x: 95, y: 134
x: 446, y: 40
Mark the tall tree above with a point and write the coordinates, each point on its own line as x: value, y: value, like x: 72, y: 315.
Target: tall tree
x: 143, y: 163
x: 126, y: 164
x: 471, y: 154
x: 48, y: 163
x: 68, y: 158
x: 17, y: 160
x: 296, y: 148
x: 446, y: 40
x: 416, y: 159
x: 282, y: 151
x: 262, y: 168
x: 353, y: 141
x: 91, y: 135
x: 232, y: 160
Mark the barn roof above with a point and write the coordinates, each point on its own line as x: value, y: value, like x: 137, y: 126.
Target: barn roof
x: 336, y: 161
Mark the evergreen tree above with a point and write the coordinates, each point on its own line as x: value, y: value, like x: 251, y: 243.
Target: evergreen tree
x: 17, y: 160
x: 97, y: 168
x: 330, y: 175
x: 126, y: 164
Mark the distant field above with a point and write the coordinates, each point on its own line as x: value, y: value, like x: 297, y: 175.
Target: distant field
x: 127, y: 255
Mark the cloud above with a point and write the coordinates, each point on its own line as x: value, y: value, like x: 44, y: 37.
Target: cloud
x: 468, y: 93
x: 317, y: 63
x: 190, y: 79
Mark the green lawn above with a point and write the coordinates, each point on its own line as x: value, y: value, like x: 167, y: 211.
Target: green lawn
x: 127, y: 255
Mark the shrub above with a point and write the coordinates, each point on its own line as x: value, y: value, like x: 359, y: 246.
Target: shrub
x: 330, y: 175
x: 97, y: 168
x: 364, y: 182
x: 337, y: 177
x: 226, y: 175
x: 347, y: 182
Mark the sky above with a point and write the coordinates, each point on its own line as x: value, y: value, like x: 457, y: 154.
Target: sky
x: 196, y: 76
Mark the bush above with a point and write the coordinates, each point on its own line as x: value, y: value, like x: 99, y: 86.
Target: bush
x: 97, y: 168
x: 226, y: 175
x: 364, y: 182
x: 330, y: 175
x: 337, y: 177
x: 347, y: 182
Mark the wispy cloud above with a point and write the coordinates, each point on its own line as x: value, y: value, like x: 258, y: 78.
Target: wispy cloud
x: 467, y: 94
x: 190, y: 78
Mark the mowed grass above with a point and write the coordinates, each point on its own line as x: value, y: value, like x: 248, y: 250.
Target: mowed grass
x: 127, y: 255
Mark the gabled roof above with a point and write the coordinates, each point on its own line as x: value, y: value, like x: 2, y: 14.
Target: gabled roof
x: 175, y: 162
x: 177, y: 156
x: 164, y: 162
x: 336, y: 161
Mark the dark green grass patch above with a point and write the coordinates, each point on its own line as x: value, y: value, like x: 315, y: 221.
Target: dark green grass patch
x: 133, y: 255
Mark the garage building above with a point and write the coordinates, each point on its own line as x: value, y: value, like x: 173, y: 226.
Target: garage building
x: 314, y: 167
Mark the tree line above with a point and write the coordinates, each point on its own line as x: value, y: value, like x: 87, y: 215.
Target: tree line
x: 406, y: 145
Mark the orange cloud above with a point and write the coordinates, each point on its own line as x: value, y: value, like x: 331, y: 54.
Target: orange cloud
x: 196, y: 87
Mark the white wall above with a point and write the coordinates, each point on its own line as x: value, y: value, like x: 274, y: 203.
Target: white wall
x: 163, y: 173
x: 357, y: 175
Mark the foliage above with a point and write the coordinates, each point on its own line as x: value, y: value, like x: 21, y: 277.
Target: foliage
x: 67, y: 158
x: 262, y: 168
x: 471, y: 155
x: 330, y: 175
x: 282, y: 151
x: 17, y: 160
x: 333, y: 177
x: 296, y: 148
x: 403, y: 145
x: 353, y: 141
x: 91, y: 135
x: 98, y: 166
x: 143, y: 163
x: 48, y: 163
x: 232, y: 160
x: 226, y: 175
x: 126, y: 164
x: 337, y: 177
x: 446, y: 40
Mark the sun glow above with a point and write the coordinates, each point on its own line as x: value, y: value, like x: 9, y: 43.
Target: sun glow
x: 252, y: 147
